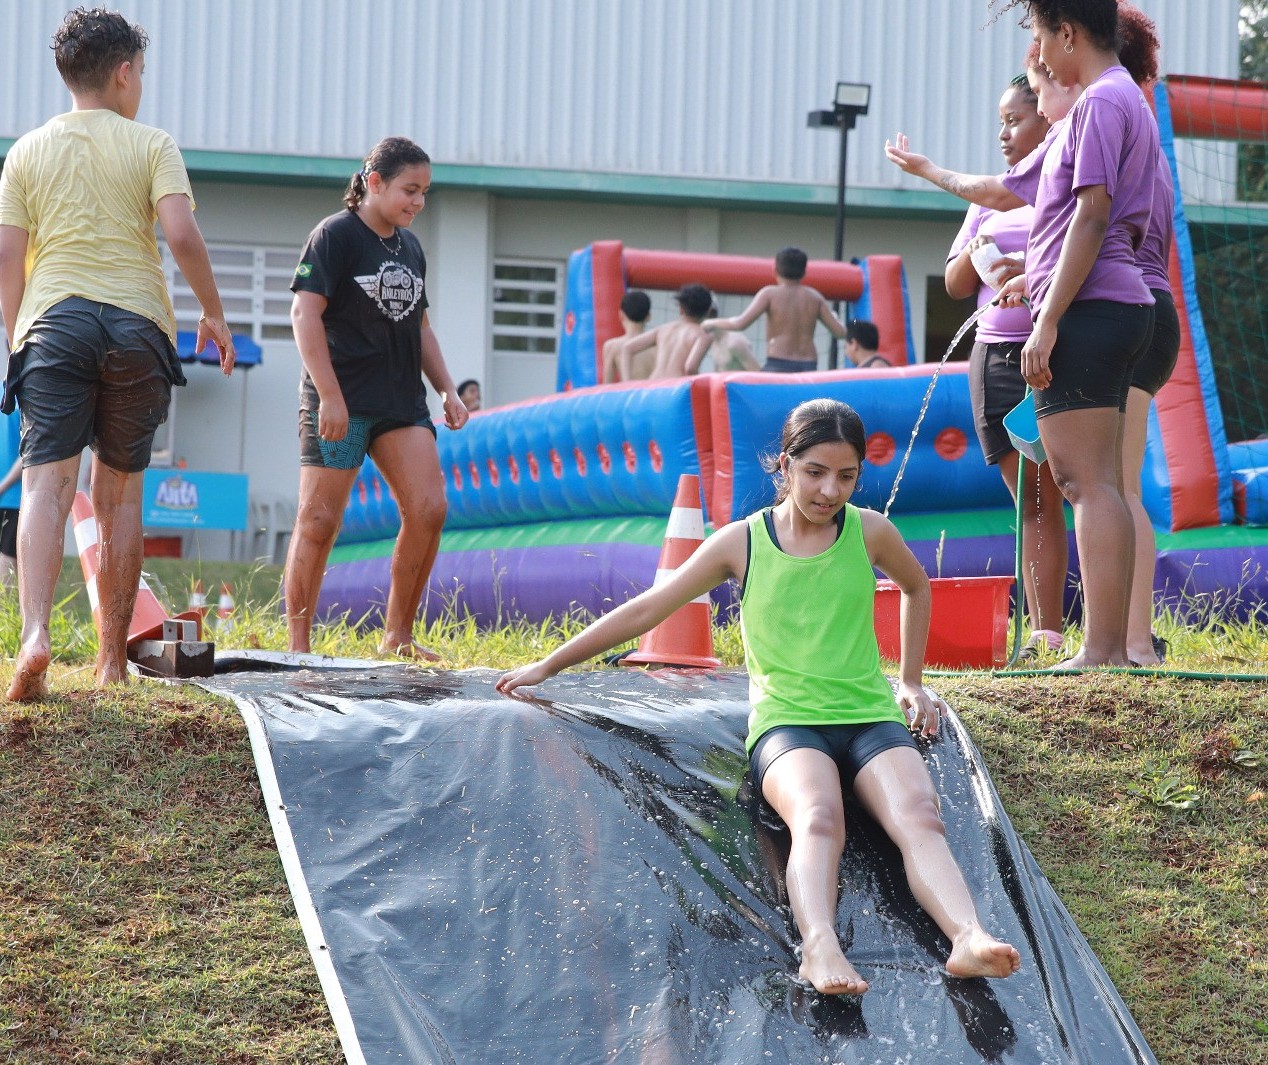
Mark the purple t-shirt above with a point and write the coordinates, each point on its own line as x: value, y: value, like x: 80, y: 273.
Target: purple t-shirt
x: 1154, y: 257
x: 1109, y: 138
x: 1011, y: 229
x: 1023, y: 179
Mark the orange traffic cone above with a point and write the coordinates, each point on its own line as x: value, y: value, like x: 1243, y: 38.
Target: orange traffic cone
x: 224, y: 609
x: 148, y: 615
x: 685, y: 638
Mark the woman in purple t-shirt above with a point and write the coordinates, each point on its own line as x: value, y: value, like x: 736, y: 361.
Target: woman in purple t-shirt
x: 987, y: 252
x: 1094, y: 311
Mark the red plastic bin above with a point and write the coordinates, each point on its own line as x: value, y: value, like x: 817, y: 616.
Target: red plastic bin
x: 968, y: 624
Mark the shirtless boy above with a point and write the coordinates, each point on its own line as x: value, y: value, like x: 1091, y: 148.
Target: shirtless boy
x: 681, y: 345
x: 636, y: 307
x: 792, y: 310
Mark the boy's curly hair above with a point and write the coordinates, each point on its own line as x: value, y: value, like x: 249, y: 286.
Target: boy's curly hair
x: 91, y: 43
x: 1138, y: 44
x: 1098, y: 17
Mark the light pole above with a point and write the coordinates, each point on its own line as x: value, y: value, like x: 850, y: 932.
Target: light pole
x: 850, y: 101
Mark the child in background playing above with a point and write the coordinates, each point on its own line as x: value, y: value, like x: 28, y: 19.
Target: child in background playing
x: 792, y: 310
x: 680, y: 346
x: 360, y: 318
x: 636, y: 308
x: 823, y: 714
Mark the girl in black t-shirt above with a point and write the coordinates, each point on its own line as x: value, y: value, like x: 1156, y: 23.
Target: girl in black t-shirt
x: 360, y: 319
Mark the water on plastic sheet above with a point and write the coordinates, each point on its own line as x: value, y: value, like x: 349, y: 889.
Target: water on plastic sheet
x: 589, y: 879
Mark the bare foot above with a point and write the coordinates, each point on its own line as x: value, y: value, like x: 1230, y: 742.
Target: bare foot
x: 30, y: 676
x: 977, y: 954
x: 1083, y: 660
x: 408, y: 649
x: 823, y: 965
x: 111, y: 674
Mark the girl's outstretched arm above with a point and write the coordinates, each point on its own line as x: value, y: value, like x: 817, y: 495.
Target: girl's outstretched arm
x: 721, y: 556
x: 891, y: 555
x: 986, y: 190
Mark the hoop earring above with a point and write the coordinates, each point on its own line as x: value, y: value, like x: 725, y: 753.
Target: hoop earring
x: 1069, y: 48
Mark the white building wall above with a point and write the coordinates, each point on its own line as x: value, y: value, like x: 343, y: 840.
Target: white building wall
x: 709, y: 89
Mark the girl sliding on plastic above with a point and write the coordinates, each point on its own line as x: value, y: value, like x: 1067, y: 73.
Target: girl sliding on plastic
x: 823, y: 714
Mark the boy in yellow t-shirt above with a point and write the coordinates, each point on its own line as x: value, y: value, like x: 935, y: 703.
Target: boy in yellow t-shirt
x: 90, y: 324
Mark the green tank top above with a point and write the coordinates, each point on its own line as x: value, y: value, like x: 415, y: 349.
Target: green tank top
x: 809, y: 636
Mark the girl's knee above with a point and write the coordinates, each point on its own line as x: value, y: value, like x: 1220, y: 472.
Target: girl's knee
x: 820, y: 820
x: 426, y: 512
x: 921, y: 817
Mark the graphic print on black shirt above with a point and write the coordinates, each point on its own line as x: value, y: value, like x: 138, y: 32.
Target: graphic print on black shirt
x: 375, y: 296
x: 395, y: 289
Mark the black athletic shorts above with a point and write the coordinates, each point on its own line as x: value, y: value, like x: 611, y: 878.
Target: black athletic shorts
x: 9, y: 531
x: 1159, y: 360
x: 850, y: 746
x: 92, y: 374
x: 1098, y: 345
x: 789, y: 365
x: 996, y: 386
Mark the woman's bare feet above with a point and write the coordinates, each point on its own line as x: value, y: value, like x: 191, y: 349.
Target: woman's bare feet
x: 408, y: 649
x: 1084, y: 660
x: 30, y: 675
x: 824, y: 965
x: 974, y: 953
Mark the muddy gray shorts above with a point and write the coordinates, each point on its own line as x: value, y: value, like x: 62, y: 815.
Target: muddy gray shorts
x: 91, y: 374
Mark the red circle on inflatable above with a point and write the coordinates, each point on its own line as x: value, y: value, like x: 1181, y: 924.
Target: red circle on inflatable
x: 475, y: 474
x: 631, y: 460
x: 457, y: 477
x: 950, y: 444
x: 570, y: 323
x: 514, y: 467
x: 534, y: 471
x: 880, y: 449
x: 493, y: 473
x: 556, y: 464
x: 580, y: 460
x: 378, y: 490
x: 605, y: 460
x: 658, y: 460
x: 362, y: 494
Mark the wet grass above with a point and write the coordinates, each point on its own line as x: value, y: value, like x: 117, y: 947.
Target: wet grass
x: 144, y: 916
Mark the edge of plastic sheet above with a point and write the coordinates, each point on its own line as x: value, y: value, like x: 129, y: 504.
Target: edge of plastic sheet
x: 309, y: 922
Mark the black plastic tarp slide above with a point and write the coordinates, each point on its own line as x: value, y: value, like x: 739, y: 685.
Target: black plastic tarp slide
x: 588, y: 879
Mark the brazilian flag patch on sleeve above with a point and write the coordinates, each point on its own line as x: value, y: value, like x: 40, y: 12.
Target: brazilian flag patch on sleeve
x: 304, y: 270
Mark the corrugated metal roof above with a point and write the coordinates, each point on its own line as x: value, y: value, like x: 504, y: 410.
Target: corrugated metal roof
x: 713, y: 89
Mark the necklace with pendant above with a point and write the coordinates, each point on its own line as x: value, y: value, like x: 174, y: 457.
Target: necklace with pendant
x: 392, y: 250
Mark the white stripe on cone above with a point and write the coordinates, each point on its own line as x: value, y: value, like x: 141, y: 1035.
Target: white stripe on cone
x: 85, y: 534
x: 685, y: 523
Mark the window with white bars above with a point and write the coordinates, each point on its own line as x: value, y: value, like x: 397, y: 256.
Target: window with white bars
x: 254, y: 286
x: 527, y: 298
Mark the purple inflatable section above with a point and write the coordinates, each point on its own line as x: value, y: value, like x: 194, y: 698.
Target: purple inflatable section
x: 494, y: 587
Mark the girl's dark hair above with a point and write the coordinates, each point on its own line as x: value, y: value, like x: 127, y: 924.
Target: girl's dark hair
x: 1022, y: 84
x: 817, y: 421
x: 387, y: 158
x: 1099, y: 18
x: 91, y: 43
x: 1138, y: 50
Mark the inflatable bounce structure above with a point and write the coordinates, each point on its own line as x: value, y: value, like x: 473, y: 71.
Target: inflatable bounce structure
x: 558, y: 504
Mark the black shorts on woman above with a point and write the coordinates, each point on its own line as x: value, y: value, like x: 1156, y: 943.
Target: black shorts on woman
x: 851, y: 747
x: 1099, y: 343
x: 1156, y: 365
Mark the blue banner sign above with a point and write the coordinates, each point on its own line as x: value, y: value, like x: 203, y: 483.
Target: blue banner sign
x: 189, y: 499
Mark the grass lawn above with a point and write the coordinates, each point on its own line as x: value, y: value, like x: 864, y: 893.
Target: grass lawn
x: 144, y: 916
